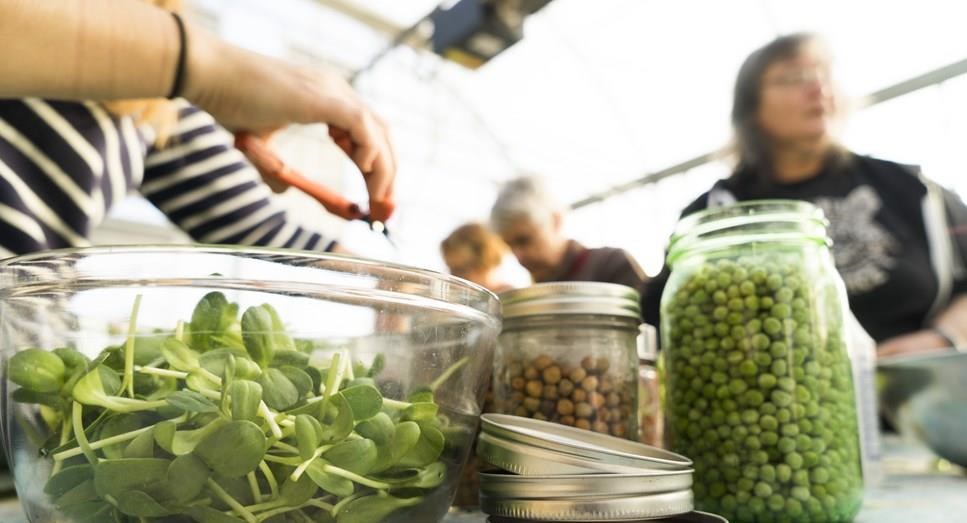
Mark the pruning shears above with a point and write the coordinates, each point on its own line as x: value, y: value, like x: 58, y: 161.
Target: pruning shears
x: 271, y: 165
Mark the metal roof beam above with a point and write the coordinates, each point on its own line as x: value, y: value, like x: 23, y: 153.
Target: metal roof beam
x: 930, y: 78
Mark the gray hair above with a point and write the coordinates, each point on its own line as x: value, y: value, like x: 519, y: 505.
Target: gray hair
x: 523, y: 198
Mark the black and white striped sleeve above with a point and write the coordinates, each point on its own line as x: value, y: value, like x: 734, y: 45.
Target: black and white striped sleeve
x: 207, y: 188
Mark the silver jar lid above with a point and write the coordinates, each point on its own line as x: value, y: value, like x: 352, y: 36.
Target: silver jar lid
x: 578, y: 297
x: 628, y: 508
x: 575, y: 486
x: 690, y: 517
x: 534, y: 447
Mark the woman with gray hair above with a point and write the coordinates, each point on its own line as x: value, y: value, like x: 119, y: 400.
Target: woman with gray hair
x: 529, y: 220
x: 904, y: 294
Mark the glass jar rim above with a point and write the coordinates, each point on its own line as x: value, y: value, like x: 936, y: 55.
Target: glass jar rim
x: 789, y: 221
x: 40, y: 269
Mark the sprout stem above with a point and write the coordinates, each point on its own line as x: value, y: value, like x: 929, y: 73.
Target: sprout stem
x: 129, y: 348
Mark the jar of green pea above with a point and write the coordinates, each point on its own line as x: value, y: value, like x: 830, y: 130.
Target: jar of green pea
x: 758, y: 387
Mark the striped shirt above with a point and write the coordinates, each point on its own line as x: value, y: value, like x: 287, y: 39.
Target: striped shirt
x: 64, y: 164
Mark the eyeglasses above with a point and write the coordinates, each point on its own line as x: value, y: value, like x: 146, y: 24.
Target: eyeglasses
x: 799, y: 78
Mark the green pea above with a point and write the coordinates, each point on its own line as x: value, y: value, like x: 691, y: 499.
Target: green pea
x: 819, y: 475
x: 779, y: 367
x: 737, y: 386
x: 776, y: 502
x: 719, y: 298
x: 769, y: 438
x: 762, y: 489
x: 768, y: 423
x: 760, y: 342
x: 745, y: 484
x: 784, y: 416
x: 800, y: 478
x: 750, y: 416
x: 781, y: 398
x: 716, y: 490
x: 790, y: 430
x: 767, y: 381
x: 748, y: 368
x: 753, y: 398
x: 800, y: 493
x: 767, y: 473
x: 720, y: 313
x: 783, y: 473
x: 788, y: 446
x: 757, y: 505
x: 784, y: 295
x: 751, y: 303
x: 750, y: 472
x: 760, y: 457
x: 753, y: 443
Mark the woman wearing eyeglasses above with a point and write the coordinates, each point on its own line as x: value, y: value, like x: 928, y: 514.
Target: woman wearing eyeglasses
x: 886, y: 247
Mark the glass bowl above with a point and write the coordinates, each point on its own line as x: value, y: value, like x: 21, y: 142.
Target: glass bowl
x: 217, y: 384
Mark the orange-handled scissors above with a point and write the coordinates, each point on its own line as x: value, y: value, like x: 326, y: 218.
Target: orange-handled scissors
x: 270, y: 165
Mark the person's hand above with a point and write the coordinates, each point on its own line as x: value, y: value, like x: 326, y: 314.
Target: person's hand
x: 251, y: 92
x: 919, y: 342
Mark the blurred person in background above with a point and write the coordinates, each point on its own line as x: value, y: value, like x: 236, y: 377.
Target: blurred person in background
x: 894, y: 231
x: 474, y: 253
x: 529, y: 220
x: 139, y: 105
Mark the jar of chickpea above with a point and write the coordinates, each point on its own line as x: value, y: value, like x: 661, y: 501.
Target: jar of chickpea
x: 568, y: 354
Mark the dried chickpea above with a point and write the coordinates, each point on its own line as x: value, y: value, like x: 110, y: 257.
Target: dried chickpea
x: 596, y: 399
x: 552, y: 374
x: 603, y: 364
x: 542, y: 362
x: 565, y: 407
x: 618, y: 429
x: 613, y: 399
x: 534, y: 388
x: 565, y: 387
x: 550, y: 392
x: 577, y: 375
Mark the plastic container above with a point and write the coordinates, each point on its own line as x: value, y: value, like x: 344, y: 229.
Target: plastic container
x: 568, y: 354
x: 759, y: 384
x: 229, y: 404
x: 652, y: 424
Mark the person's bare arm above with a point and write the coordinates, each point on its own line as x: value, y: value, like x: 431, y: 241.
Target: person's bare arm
x: 92, y: 49
x: 124, y: 49
x: 952, y: 321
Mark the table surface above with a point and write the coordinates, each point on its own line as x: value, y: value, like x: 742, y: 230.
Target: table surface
x: 916, y: 488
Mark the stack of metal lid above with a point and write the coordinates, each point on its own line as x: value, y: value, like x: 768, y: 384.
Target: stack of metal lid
x: 559, y: 473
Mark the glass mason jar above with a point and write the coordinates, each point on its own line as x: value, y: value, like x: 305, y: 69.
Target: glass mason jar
x: 568, y: 354
x: 759, y: 388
